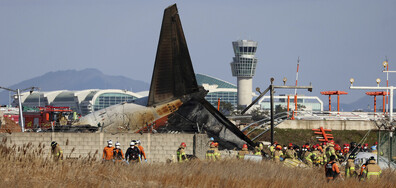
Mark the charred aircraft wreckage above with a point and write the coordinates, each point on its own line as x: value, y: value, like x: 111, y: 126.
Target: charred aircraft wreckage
x: 174, y: 93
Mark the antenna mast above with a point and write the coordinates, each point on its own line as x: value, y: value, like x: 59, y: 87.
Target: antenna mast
x: 295, y: 90
x: 298, y: 64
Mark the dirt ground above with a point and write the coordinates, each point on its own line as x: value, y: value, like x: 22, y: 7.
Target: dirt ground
x: 9, y: 126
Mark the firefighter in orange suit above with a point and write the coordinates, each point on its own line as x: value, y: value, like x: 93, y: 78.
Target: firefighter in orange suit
x: 139, y: 144
x: 108, y: 151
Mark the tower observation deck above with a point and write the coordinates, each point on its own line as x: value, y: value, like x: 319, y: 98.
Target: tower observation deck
x: 244, y: 67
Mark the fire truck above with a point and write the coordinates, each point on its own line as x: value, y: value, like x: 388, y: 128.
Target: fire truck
x: 56, y: 119
x: 48, y: 116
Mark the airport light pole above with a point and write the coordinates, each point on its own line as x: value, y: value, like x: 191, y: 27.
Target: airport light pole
x: 390, y: 127
x: 387, y: 71
x: 271, y: 89
x: 18, y: 92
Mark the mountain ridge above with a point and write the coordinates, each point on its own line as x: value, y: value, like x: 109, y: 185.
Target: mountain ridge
x: 72, y: 79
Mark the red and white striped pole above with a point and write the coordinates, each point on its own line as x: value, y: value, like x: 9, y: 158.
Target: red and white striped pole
x: 387, y: 82
x: 295, y: 90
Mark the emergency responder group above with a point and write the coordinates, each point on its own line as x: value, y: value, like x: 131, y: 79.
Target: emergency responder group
x: 327, y: 154
x: 134, y: 154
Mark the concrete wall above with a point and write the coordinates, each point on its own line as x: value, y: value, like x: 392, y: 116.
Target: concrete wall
x: 158, y: 147
x: 328, y: 124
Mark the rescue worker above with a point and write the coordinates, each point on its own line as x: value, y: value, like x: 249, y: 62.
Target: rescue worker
x: 339, y: 155
x: 375, y: 145
x: 316, y: 155
x: 365, y: 148
x: 331, y: 169
x: 108, y: 151
x: 212, y: 153
x: 372, y: 170
x: 303, y: 150
x: 243, y: 152
x: 118, y: 156
x: 277, y: 154
x: 216, y: 144
x: 209, y: 142
x: 132, y: 154
x: 143, y: 154
x: 56, y: 152
x: 324, y: 146
x: 321, y: 156
x: 330, y: 150
x: 290, y: 153
x: 359, y: 147
x: 345, y: 149
x: 362, y: 169
x: 309, y: 156
x: 181, y: 155
x: 272, y: 148
x: 257, y: 151
x: 298, y: 151
x: 374, y: 149
x: 350, y: 171
x: 353, y: 148
x: 284, y: 148
x: 261, y: 147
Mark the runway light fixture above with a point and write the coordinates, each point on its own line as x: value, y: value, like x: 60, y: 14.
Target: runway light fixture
x: 378, y: 81
x: 258, y: 90
x: 284, y: 80
x: 351, y: 80
x: 385, y: 64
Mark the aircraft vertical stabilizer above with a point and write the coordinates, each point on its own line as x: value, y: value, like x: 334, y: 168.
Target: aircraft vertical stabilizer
x: 173, y: 74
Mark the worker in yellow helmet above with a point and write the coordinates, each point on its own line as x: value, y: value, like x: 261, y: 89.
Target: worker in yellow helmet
x: 56, y: 151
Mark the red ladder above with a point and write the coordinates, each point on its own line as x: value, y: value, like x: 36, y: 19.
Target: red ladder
x: 326, y: 137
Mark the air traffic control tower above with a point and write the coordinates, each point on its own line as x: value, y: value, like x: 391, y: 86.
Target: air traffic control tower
x: 244, y: 68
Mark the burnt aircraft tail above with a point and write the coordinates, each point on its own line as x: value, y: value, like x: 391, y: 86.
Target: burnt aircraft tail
x: 173, y: 74
x: 227, y: 123
x: 174, y: 78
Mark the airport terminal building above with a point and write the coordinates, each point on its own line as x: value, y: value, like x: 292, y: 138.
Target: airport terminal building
x: 82, y: 102
x: 218, y: 89
x: 90, y: 100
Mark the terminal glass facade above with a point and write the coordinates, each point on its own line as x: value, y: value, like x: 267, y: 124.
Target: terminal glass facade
x: 230, y: 97
x: 227, y: 92
x: 107, y: 99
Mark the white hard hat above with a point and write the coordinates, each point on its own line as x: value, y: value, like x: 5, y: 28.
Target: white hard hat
x: 110, y: 142
x: 118, y: 144
x: 132, y: 143
x: 138, y: 141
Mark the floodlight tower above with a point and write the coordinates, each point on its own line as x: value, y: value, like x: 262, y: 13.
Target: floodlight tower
x: 244, y: 67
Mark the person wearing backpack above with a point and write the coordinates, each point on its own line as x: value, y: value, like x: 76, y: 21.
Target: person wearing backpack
x: 132, y: 154
x: 331, y: 169
x: 117, y: 153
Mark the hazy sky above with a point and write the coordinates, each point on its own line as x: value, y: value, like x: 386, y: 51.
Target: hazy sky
x: 336, y: 40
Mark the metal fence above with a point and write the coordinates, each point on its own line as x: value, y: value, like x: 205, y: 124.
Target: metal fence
x: 387, y: 145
